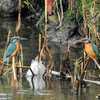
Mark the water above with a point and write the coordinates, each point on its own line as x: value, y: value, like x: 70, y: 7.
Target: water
x: 55, y: 89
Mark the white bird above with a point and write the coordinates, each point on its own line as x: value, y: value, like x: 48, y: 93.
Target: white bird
x: 38, y: 69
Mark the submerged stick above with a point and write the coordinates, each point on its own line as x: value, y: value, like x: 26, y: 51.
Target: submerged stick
x: 58, y: 74
x: 91, y: 81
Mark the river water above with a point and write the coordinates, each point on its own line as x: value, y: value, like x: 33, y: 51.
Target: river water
x: 55, y: 89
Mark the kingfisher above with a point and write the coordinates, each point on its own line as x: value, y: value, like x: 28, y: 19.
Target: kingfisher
x: 13, y: 47
x: 92, y: 51
x: 10, y: 51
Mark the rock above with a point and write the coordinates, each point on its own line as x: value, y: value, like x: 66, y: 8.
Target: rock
x: 63, y: 39
x: 7, y: 7
x: 68, y: 33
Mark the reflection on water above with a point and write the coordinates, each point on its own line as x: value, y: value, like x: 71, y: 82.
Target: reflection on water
x: 55, y: 90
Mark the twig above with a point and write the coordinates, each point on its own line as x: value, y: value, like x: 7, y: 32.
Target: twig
x: 18, y: 26
x: 57, y: 11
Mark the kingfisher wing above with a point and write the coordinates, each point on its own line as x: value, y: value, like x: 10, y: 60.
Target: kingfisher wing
x: 10, y: 49
x: 95, y: 49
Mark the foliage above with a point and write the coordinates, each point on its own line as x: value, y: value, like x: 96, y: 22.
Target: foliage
x: 28, y: 4
x: 78, y: 14
x: 92, y: 14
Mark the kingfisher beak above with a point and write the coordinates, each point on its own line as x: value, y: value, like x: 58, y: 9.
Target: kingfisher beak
x: 86, y: 40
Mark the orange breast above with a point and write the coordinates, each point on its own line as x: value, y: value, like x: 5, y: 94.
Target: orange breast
x: 50, y: 6
x: 17, y: 49
x: 89, y: 51
x: 1, y: 62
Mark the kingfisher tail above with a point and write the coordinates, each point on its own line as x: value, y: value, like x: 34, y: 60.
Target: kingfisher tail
x: 96, y: 63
